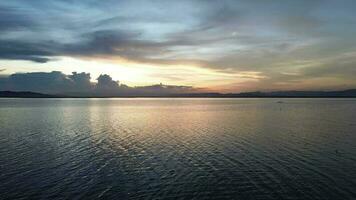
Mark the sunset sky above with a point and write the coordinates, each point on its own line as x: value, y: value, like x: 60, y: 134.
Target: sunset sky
x: 225, y: 46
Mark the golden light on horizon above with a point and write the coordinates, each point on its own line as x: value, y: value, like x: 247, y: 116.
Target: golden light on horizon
x: 138, y: 74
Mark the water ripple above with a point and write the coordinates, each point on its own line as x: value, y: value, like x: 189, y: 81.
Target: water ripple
x: 181, y: 149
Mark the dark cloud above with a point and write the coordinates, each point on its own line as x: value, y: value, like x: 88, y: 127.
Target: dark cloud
x: 17, y: 50
x: 113, y: 35
x: 165, y: 89
x: 41, y: 81
x: 53, y: 82
x: 81, y: 81
x: 78, y: 84
x: 268, y: 37
x: 105, y: 42
x: 106, y: 84
x: 15, y: 19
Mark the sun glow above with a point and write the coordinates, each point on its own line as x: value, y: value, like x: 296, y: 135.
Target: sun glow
x: 134, y: 73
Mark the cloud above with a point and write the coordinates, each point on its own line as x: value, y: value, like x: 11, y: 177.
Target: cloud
x: 39, y: 81
x: 17, y: 50
x: 105, y: 83
x: 14, y: 19
x: 341, y: 66
x: 272, y: 37
x: 79, y: 84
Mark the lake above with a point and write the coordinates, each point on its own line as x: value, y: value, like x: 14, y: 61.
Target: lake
x: 178, y: 148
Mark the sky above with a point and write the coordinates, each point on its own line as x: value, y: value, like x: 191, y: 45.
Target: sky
x: 222, y: 46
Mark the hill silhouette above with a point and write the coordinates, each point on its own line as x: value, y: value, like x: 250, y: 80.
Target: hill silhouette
x: 276, y: 94
x: 24, y: 94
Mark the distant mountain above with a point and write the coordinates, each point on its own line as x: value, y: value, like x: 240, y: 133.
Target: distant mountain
x: 276, y: 94
x: 24, y: 94
x: 280, y: 94
x: 343, y: 93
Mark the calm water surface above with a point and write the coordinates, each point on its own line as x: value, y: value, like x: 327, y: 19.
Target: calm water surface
x: 178, y: 148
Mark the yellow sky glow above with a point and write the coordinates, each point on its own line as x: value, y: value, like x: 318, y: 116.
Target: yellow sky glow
x: 135, y: 74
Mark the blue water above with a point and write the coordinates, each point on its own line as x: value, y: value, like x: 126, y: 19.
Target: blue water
x: 177, y: 149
